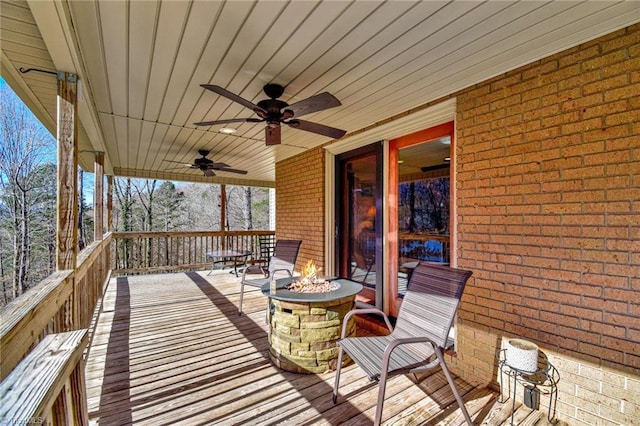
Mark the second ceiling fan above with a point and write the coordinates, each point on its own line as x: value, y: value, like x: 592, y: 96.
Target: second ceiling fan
x: 208, y: 166
x: 276, y: 112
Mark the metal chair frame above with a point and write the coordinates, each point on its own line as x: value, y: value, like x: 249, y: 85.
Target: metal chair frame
x: 418, y: 341
x: 281, y: 263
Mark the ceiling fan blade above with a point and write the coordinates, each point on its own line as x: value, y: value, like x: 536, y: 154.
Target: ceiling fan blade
x: 218, y: 165
x: 272, y: 135
x: 178, y: 162
x: 227, y: 94
x: 208, y: 172
x: 230, y: 120
x: 320, y: 129
x: 225, y: 169
x: 314, y: 103
x: 175, y: 168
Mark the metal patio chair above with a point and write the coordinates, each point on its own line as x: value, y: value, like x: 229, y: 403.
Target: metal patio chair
x: 267, y: 244
x: 420, y: 337
x: 281, y: 264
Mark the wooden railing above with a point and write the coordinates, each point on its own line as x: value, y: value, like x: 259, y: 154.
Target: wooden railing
x: 153, y: 252
x: 48, y: 386
x: 36, y: 343
x: 62, y: 302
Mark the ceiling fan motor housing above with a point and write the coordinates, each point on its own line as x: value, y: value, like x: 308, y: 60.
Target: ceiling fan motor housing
x: 202, y: 161
x: 272, y: 105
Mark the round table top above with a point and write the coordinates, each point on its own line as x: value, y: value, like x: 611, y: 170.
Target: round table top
x: 347, y: 288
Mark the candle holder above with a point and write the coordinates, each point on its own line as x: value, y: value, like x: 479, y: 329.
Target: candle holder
x: 521, y: 355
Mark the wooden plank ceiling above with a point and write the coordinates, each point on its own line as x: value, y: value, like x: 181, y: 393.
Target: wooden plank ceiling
x: 141, y: 64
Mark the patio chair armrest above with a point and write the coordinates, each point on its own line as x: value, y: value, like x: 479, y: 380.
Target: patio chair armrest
x: 405, y: 341
x: 353, y: 312
x: 272, y: 273
x: 388, y: 350
x: 244, y: 273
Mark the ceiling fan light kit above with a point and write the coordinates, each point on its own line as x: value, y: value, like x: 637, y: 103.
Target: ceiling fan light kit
x: 276, y: 112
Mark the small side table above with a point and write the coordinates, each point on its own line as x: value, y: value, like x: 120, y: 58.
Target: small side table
x: 545, y: 380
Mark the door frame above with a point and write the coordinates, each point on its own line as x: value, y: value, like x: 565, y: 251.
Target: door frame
x: 435, y: 132
x: 423, y: 117
x: 341, y: 242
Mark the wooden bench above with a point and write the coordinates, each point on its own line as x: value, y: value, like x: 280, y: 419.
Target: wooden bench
x: 47, y: 386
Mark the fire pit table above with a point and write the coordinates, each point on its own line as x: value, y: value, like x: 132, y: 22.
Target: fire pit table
x: 305, y: 326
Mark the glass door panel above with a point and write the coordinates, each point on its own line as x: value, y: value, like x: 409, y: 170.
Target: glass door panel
x: 423, y: 206
x: 359, y: 230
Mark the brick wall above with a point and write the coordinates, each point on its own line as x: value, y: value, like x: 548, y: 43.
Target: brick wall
x: 549, y: 221
x: 300, y: 204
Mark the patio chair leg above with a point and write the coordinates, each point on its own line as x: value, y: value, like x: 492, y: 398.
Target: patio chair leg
x: 335, y: 386
x: 241, y: 294
x: 454, y: 389
x: 382, y: 384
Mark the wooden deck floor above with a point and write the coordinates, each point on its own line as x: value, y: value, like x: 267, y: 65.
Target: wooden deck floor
x: 171, y: 349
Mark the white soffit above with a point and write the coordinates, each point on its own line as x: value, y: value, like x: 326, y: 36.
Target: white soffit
x: 420, y: 120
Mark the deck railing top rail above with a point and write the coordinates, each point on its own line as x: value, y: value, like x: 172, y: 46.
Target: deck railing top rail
x: 63, y: 301
x: 155, y: 252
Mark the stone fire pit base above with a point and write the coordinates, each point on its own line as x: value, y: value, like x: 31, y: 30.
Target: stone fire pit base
x: 303, y: 336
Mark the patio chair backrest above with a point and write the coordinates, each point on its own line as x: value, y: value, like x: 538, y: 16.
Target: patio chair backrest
x: 284, y: 255
x: 430, y: 304
x: 287, y: 250
x: 267, y: 244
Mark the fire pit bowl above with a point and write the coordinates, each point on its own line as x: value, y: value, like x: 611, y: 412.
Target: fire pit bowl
x: 305, y: 326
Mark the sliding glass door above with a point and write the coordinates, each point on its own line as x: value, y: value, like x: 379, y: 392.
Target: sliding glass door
x: 359, y: 220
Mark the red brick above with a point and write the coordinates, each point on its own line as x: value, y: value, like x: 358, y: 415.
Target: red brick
x: 579, y: 55
x: 602, y: 132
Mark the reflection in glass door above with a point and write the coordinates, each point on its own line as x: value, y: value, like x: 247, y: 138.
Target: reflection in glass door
x: 359, y: 222
x: 419, y: 216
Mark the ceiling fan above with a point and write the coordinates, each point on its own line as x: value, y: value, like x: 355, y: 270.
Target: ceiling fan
x: 276, y: 112
x: 208, y: 166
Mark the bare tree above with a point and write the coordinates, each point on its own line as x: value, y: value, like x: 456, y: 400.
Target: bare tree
x: 145, y: 191
x: 125, y: 204
x: 202, y: 206
x: 165, y: 206
x: 248, y: 210
x: 24, y: 146
x: 169, y: 202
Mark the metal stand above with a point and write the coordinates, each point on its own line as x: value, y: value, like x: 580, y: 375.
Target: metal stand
x: 544, y: 380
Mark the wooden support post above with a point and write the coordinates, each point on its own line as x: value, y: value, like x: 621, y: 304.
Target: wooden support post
x: 223, y: 215
x: 67, y: 206
x: 109, y: 203
x: 98, y: 197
